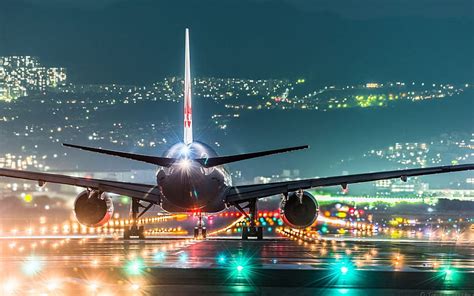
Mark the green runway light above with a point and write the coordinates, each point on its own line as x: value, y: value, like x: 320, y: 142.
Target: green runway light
x: 135, y: 267
x: 159, y: 256
x: 183, y: 257
x: 221, y: 259
x: 448, y: 274
x: 344, y: 269
x: 240, y: 267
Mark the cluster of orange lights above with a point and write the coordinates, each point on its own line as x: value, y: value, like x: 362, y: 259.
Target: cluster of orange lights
x: 169, y: 230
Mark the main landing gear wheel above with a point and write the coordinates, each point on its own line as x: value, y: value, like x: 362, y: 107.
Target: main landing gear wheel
x: 200, y: 232
x: 252, y: 230
x: 135, y: 231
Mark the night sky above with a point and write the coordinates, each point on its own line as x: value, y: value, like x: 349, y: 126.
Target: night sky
x: 327, y: 41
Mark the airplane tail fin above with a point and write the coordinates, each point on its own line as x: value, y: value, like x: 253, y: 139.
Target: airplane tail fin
x: 188, y: 111
x: 220, y: 160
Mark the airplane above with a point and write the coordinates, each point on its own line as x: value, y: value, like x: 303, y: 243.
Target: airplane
x: 191, y: 176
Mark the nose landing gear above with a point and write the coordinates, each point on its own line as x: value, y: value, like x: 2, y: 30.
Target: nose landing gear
x: 200, y: 229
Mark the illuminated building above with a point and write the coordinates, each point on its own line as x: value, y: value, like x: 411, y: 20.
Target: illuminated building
x: 24, y: 75
x: 389, y: 187
x: 373, y: 85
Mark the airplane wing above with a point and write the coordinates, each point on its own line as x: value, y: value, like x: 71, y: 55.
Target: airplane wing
x: 149, y: 193
x: 249, y: 192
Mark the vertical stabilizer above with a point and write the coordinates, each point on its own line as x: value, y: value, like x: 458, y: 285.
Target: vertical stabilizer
x: 188, y: 111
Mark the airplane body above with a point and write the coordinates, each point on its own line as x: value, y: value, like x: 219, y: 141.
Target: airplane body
x: 187, y: 185
x: 192, y: 177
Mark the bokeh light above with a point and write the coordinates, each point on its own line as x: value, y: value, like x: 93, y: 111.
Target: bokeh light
x: 32, y: 265
x: 135, y: 266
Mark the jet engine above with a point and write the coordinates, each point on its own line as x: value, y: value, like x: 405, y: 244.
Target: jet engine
x: 299, y: 210
x: 93, y: 208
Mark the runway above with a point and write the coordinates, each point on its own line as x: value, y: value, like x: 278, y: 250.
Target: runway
x: 106, y: 266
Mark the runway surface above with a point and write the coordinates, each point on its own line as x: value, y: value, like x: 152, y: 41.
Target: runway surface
x: 179, y: 266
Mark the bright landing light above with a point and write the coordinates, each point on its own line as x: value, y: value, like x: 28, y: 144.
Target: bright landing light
x: 344, y: 270
x: 185, y: 150
x: 185, y: 164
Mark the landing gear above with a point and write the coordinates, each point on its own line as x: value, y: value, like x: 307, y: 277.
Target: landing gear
x: 135, y: 231
x: 200, y: 230
x: 252, y: 230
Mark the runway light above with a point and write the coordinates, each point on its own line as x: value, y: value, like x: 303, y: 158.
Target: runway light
x: 135, y: 287
x: 448, y: 273
x: 159, y: 256
x: 31, y: 266
x: 344, y: 269
x: 135, y: 267
x: 10, y: 286
x: 52, y: 285
x: 183, y: 257
x: 93, y: 286
x: 28, y: 198
x: 221, y: 259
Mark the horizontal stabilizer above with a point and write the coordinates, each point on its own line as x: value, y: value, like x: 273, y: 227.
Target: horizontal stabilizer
x: 161, y: 161
x: 215, y: 161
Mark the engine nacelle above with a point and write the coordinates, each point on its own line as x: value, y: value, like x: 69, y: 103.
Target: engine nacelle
x: 299, y: 210
x: 93, y: 208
